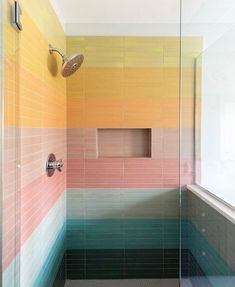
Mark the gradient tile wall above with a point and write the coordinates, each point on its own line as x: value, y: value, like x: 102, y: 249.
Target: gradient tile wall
x: 130, y: 82
x: 124, y: 203
x: 33, y: 204
x: 125, y: 82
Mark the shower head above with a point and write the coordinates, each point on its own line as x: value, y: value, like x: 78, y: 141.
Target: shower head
x: 70, y: 63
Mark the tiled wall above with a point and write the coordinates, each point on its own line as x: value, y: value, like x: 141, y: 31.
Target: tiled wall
x: 130, y: 82
x: 85, y: 169
x: 122, y: 233
x: 34, y: 126
x: 211, y: 242
x: 122, y: 204
x: 125, y: 82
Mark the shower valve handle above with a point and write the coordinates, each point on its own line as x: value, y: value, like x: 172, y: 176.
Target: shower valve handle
x: 59, y: 165
x: 53, y: 164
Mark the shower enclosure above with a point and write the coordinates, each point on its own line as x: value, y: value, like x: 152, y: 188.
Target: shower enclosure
x: 127, y: 205
x: 123, y: 160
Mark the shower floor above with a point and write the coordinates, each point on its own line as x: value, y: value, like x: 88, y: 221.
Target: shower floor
x: 127, y: 283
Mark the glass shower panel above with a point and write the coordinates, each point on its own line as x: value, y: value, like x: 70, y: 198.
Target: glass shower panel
x: 1, y: 91
x: 216, y: 117
x: 207, y: 116
x: 10, y: 168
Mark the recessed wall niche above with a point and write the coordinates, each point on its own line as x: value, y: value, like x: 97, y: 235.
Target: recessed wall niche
x: 124, y: 143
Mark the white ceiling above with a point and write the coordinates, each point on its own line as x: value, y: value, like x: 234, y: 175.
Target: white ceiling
x: 118, y: 11
x: 88, y: 16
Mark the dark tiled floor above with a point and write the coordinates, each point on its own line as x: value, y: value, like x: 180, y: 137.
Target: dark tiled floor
x: 127, y: 283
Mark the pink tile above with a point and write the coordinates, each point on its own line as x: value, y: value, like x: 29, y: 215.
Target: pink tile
x: 118, y: 172
x: 37, y: 193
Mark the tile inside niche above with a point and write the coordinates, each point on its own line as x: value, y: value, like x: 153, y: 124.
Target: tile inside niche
x: 124, y: 143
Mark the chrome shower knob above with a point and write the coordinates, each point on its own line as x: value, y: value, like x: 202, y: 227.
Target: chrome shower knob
x: 53, y: 164
x: 59, y: 165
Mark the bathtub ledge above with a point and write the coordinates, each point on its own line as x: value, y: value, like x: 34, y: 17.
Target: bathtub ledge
x: 218, y: 204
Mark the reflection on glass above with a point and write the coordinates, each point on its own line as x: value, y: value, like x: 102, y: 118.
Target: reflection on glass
x: 216, y: 141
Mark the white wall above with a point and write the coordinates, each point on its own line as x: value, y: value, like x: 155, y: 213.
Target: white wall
x: 214, y: 20
x: 218, y: 118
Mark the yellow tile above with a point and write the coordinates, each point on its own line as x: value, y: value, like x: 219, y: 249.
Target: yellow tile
x: 144, y: 51
x: 30, y: 89
x: 43, y: 16
x: 103, y: 111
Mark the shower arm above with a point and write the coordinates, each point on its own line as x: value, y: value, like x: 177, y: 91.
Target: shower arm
x: 52, y: 49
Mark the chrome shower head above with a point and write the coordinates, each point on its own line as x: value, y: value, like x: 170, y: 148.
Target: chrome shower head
x: 70, y: 63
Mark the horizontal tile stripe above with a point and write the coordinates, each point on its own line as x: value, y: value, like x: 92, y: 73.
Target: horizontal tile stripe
x: 123, y: 233
x: 86, y: 169
x: 49, y: 270
x: 129, y: 97
x: 48, y: 193
x: 46, y: 96
x: 84, y: 142
x: 35, y: 193
x: 36, y: 144
x: 148, y: 51
x: 41, y: 196
x: 108, y: 203
x: 35, y: 252
x: 123, y: 172
x: 34, y: 89
x: 120, y: 263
